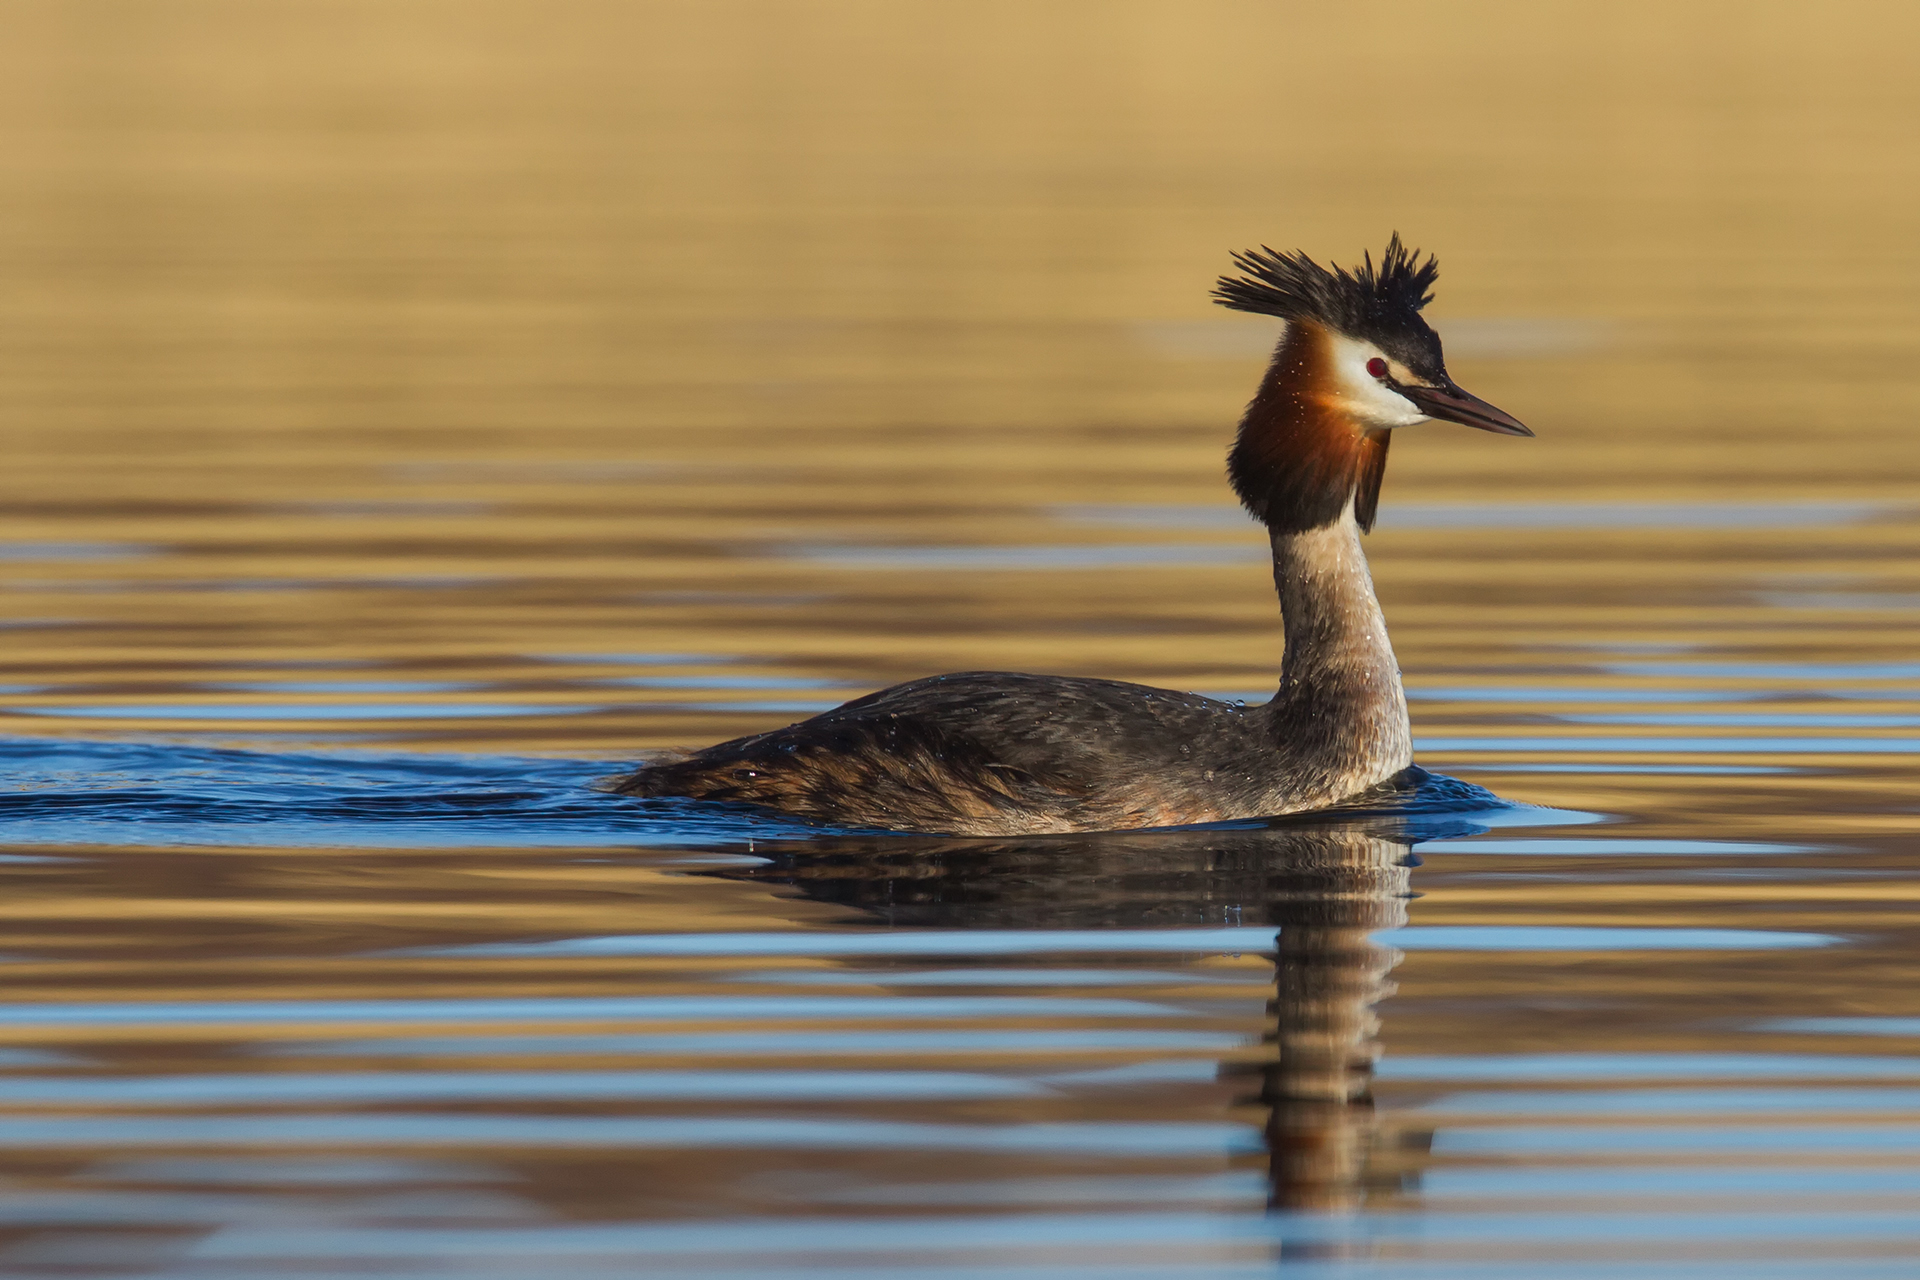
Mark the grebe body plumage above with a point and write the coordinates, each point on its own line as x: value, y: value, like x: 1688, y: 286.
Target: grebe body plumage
x: 1004, y: 753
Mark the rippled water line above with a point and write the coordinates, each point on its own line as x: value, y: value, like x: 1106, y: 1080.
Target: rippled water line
x: 383, y: 711
x: 737, y: 1235
x: 1548, y: 695
x: 1676, y: 745
x: 578, y: 1009
x: 265, y: 585
x: 1544, y: 695
x: 1723, y: 1100
x: 639, y: 659
x: 1626, y: 769
x: 1574, y: 1141
x: 1126, y: 1139
x: 310, y: 1171
x: 51, y: 552
x: 780, y: 1042
x: 1610, y: 1068
x: 1882, y: 1026
x: 189, y: 713
x: 1043, y: 557
x: 1552, y: 695
x: 1625, y: 1090
x: 1090, y: 1189
x: 1755, y: 719
x: 1734, y: 670
x: 1828, y: 601
x: 16, y: 1057
x: 715, y: 682
x: 1342, y: 1265
x: 1536, y: 1183
x: 444, y: 1087
x: 102, y: 1208
x: 1623, y: 847
x: 307, y: 710
x: 1238, y: 941
x: 336, y: 686
x: 996, y: 976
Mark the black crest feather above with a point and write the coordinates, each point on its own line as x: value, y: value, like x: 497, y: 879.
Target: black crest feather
x: 1361, y: 302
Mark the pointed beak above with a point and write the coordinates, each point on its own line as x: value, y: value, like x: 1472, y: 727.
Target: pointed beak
x: 1451, y: 404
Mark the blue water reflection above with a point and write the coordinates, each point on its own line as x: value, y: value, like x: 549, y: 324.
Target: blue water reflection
x: 1161, y: 1042
x: 729, y: 1008
x: 779, y: 1043
x: 1876, y: 1026
x: 1641, y: 1066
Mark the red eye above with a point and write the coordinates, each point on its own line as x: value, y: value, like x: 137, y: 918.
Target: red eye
x: 1377, y: 367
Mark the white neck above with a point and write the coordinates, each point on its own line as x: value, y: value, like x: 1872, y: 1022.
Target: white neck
x: 1340, y: 710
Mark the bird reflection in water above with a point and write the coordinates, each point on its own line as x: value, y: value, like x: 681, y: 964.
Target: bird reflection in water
x: 1324, y: 885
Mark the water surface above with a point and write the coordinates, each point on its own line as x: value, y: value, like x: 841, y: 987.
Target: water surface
x: 417, y: 413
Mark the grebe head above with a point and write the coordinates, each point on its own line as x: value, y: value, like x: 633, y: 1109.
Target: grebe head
x: 1356, y: 361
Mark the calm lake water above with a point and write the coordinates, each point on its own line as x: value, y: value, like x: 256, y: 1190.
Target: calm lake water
x: 415, y: 413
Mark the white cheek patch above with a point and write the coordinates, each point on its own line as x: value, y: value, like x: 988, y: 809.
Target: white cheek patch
x: 1363, y: 395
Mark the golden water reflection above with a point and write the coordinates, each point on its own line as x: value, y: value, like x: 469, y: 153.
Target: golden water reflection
x: 573, y: 380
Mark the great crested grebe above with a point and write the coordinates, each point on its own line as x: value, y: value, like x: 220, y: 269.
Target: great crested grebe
x: 1001, y: 753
